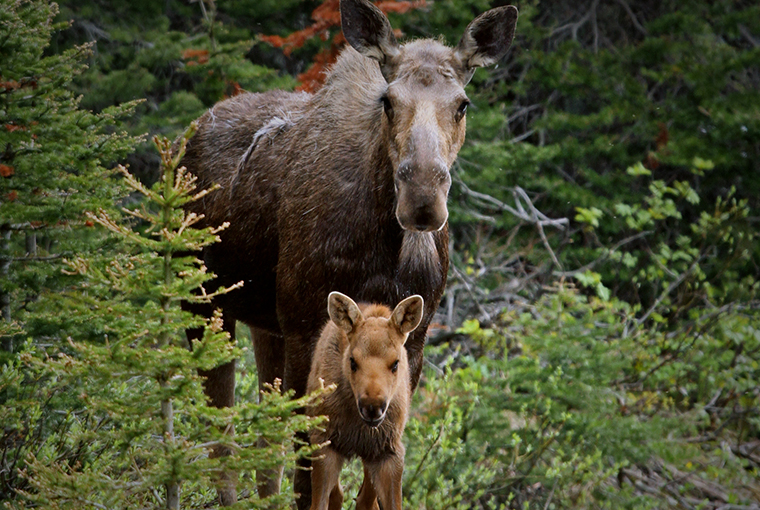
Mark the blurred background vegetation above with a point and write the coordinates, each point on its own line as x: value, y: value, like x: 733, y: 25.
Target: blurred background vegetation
x: 598, y: 345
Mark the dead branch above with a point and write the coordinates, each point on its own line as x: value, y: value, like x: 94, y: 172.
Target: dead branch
x: 638, y: 26
x: 574, y: 27
x: 604, y: 256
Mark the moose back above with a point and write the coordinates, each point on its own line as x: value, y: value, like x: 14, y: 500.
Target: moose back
x: 341, y: 190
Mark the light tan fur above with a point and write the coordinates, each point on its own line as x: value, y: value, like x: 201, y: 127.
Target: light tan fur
x: 361, y: 351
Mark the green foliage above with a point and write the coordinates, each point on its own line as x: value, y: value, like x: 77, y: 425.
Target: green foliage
x: 143, y: 370
x: 669, y: 94
x: 637, y: 122
x: 180, y: 58
x: 54, y: 159
x: 569, y: 404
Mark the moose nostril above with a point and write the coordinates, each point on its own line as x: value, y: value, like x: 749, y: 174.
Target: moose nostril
x: 373, y: 413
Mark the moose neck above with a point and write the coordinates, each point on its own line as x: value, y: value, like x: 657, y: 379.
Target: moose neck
x: 349, y: 104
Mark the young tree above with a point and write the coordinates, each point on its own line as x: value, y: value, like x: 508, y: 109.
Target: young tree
x: 145, y: 419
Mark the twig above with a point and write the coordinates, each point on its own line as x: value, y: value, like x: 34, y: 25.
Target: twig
x: 535, y: 216
x: 551, y: 495
x: 36, y: 259
x: 743, y: 30
x: 539, y: 218
x: 638, y: 26
x: 470, y: 291
x: 523, y: 136
x: 522, y: 111
x: 574, y: 27
x: 427, y: 453
x: 667, y: 292
x: 604, y: 256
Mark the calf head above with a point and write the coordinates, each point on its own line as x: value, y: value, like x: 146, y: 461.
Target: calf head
x: 374, y: 358
x: 425, y: 102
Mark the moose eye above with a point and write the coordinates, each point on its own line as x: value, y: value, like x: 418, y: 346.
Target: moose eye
x: 387, y: 107
x: 354, y: 366
x: 461, y: 110
x: 394, y: 367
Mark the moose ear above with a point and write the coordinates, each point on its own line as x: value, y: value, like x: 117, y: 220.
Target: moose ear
x: 486, y: 39
x: 408, y: 314
x: 368, y: 30
x: 343, y: 311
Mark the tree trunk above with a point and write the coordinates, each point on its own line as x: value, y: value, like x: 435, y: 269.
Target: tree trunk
x: 5, y: 267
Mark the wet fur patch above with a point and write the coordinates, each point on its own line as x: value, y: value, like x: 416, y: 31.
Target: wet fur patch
x: 271, y: 128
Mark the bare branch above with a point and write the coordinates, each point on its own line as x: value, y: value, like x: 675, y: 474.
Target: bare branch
x: 747, y: 35
x: 638, y: 26
x: 675, y: 283
x: 534, y: 216
x: 522, y: 137
x: 574, y: 27
x: 604, y: 256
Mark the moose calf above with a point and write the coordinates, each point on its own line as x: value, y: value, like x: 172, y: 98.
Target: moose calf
x: 361, y: 351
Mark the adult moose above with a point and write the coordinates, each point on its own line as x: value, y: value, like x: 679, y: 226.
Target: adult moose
x: 341, y: 190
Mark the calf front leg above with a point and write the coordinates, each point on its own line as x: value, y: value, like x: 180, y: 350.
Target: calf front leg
x: 325, y: 475
x: 386, y: 479
x: 367, y: 498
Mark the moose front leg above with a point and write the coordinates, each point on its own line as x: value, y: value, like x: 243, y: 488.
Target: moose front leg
x: 268, y: 348
x: 298, y: 351
x: 386, y: 479
x: 219, y: 387
x: 325, y: 474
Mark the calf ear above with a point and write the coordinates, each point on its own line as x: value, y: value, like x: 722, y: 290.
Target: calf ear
x: 368, y: 30
x: 408, y: 314
x: 343, y: 311
x: 486, y: 39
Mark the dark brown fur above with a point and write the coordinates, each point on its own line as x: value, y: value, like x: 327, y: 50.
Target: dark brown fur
x: 316, y: 189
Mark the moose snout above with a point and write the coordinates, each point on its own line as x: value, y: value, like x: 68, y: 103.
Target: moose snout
x: 372, y: 411
x: 421, y: 199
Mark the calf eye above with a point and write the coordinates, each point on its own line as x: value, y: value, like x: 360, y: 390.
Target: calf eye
x: 354, y: 366
x: 461, y: 110
x: 394, y: 367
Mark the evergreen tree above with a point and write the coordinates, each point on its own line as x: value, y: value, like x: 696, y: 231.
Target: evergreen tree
x: 145, y: 420
x: 54, y: 159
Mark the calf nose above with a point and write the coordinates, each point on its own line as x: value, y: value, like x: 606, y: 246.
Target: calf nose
x: 372, y: 412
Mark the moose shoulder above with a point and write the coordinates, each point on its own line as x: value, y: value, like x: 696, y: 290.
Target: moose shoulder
x: 341, y: 190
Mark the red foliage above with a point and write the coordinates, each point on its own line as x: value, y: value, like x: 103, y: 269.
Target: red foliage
x: 14, y: 127
x: 327, y: 16
x: 662, y: 137
x: 13, y: 84
x: 233, y: 89
x: 661, y: 141
x: 195, y: 57
x: 651, y: 162
x: 400, y: 7
x: 13, y: 195
x: 6, y: 171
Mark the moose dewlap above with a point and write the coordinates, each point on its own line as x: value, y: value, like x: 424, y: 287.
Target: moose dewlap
x: 361, y: 351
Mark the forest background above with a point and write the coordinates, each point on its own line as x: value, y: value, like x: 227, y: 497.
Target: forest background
x: 598, y: 345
